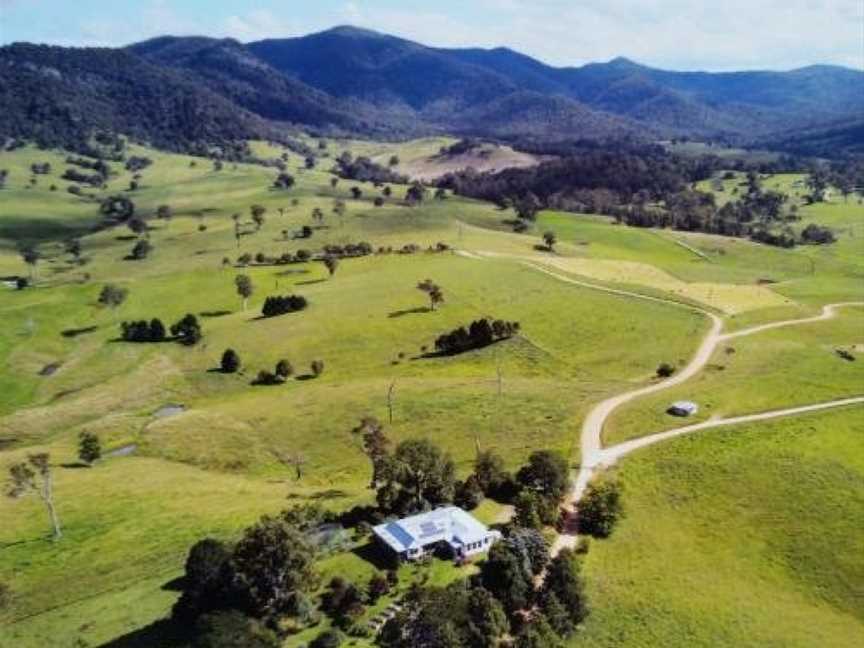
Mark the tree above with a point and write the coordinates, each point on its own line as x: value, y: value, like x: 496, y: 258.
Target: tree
x: 187, y: 330
x: 112, y: 296
x: 564, y: 580
x: 309, y: 162
x: 230, y: 629
x: 526, y: 513
x: 137, y: 226
x: 421, y: 471
x: 416, y: 194
x: 230, y: 362
x: 538, y: 634
x: 505, y: 575
x: 546, y: 473
x: 549, y: 239
x: 31, y: 257
x: 245, y: 288
x: 331, y: 263
x: 164, y: 212
x: 394, y: 160
x: 327, y: 639
x: 600, y: 508
x: 89, y: 447
x: 356, y: 193
x: 284, y: 181
x: 527, y: 207
x: 433, y: 291
x: 317, y: 367
x: 258, y: 212
x: 73, y: 247
x: 273, y: 565
x: 141, y: 249
x: 34, y: 475
x: 318, y: 215
x: 284, y: 369
x: 489, y: 471
x: 488, y: 620
x: 376, y: 446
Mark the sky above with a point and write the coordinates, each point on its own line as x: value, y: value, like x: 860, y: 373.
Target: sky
x: 671, y: 34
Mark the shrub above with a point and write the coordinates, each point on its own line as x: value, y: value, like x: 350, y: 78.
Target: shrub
x: 665, y: 370
x: 327, y: 639
x: 317, y: 367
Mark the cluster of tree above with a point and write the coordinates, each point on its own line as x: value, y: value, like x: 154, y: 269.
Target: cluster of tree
x: 73, y: 175
x: 137, y: 163
x: 140, y: 250
x: 143, y: 331
x: 501, y: 604
x: 117, y: 208
x: 363, y: 169
x: 283, y: 181
x: 600, y: 508
x: 817, y: 234
x: 42, y: 168
x: 281, y: 304
x: 265, y: 580
x: 98, y: 164
x: 283, y: 370
x: 345, y: 602
x: 480, y: 333
x: 186, y: 331
x: 349, y: 249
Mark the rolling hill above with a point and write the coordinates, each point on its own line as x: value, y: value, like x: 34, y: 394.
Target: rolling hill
x: 181, y: 92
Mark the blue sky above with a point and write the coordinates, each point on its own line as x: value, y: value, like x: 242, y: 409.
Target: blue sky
x: 674, y: 34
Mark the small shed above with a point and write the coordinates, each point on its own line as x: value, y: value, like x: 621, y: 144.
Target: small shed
x: 683, y: 408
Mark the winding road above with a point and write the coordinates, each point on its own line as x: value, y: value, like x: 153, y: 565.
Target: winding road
x: 594, y: 457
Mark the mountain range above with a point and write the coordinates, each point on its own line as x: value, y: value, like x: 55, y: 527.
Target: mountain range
x: 176, y: 91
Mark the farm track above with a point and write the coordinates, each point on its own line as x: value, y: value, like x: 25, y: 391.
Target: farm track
x: 595, y: 458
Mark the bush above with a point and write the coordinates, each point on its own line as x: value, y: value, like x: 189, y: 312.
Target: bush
x: 327, y: 639
x: 665, y: 370
x: 317, y: 367
x: 600, y: 508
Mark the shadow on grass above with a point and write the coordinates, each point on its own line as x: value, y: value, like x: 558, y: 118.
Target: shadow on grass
x: 375, y: 556
x: 306, y: 377
x: 215, y: 313
x: 162, y: 633
x: 75, y: 465
x: 310, y: 282
x: 75, y: 332
x: 410, y: 311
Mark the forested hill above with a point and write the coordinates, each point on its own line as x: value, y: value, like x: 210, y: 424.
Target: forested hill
x: 186, y: 92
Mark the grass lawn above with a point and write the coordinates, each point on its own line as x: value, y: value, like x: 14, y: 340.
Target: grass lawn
x: 212, y: 468
x: 744, y: 536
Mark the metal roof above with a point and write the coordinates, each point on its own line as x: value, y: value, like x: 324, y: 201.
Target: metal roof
x: 450, y: 524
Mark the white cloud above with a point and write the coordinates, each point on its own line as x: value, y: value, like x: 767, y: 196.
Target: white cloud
x: 257, y: 24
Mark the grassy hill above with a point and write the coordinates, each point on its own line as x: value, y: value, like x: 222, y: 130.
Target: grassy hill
x: 213, y: 467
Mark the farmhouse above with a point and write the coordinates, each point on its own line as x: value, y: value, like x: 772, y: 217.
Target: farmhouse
x: 683, y: 408
x: 448, y: 527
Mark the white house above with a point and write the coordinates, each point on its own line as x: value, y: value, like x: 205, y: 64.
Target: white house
x: 413, y: 537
